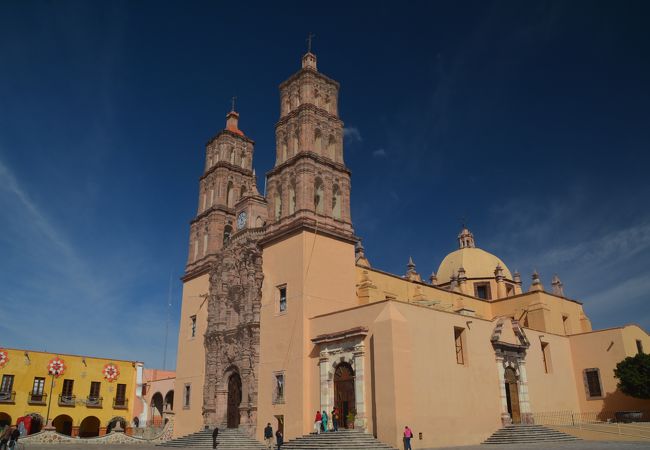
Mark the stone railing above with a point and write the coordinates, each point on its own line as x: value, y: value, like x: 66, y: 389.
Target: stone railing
x: 115, y: 437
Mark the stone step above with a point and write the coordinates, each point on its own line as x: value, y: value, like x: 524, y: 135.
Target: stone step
x: 339, y: 440
x: 228, y: 439
x: 523, y: 434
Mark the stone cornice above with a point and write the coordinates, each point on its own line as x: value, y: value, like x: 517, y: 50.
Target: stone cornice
x: 214, y: 208
x: 201, y: 269
x: 340, y: 335
x: 308, y: 71
x: 297, y: 224
x: 226, y: 132
x: 226, y: 165
x: 308, y: 154
x: 294, y: 113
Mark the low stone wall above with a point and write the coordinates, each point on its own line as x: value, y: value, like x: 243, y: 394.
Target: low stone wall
x: 115, y: 437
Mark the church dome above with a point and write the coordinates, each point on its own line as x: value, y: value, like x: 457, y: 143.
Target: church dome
x: 477, y: 262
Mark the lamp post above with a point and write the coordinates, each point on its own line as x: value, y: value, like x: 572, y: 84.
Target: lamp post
x: 48, y: 425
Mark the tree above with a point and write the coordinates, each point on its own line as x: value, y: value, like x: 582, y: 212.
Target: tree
x: 633, y: 375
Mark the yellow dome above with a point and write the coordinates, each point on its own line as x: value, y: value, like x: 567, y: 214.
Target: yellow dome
x: 476, y: 262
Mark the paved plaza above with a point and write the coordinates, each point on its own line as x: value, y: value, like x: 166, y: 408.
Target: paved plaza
x: 579, y: 445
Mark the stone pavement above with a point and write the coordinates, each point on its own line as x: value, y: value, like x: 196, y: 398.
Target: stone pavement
x: 579, y: 445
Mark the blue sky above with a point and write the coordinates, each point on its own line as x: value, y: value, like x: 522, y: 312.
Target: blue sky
x: 529, y: 119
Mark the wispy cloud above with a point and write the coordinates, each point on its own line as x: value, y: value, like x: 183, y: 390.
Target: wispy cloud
x: 64, y: 300
x: 380, y: 153
x: 352, y: 134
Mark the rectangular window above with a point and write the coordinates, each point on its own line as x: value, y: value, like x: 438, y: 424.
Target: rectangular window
x: 120, y: 397
x: 459, y: 336
x: 193, y: 326
x: 68, y: 386
x: 94, y: 389
x: 186, y: 396
x: 39, y: 386
x: 7, y: 384
x: 546, y: 357
x: 592, y: 380
x: 482, y: 290
x: 278, y: 390
x: 282, y: 290
x: 639, y: 346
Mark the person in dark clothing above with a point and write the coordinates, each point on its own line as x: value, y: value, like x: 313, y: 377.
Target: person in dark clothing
x: 268, y: 436
x: 15, y: 434
x: 215, y: 433
x: 279, y: 439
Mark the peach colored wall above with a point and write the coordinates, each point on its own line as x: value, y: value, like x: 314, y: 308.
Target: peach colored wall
x: 190, y: 359
x: 307, y: 264
x: 603, y: 350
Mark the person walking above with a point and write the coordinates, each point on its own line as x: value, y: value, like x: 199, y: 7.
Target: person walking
x: 335, y: 419
x: 268, y: 436
x: 215, y: 433
x: 408, y: 434
x: 4, y: 439
x: 13, y: 440
x: 324, y: 419
x: 279, y: 439
x: 318, y: 422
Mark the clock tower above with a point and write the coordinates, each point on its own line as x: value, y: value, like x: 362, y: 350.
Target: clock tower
x: 228, y: 179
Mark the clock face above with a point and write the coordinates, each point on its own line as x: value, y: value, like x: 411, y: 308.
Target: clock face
x: 241, y: 220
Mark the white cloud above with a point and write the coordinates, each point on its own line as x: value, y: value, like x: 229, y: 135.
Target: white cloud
x: 352, y: 134
x: 380, y: 153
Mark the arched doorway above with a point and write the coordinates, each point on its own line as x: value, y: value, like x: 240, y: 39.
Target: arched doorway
x: 37, y: 423
x: 89, y: 427
x: 113, y: 423
x: 234, y: 400
x: 512, y: 394
x: 156, y: 409
x: 169, y: 401
x: 63, y: 424
x: 5, y: 419
x: 344, y: 398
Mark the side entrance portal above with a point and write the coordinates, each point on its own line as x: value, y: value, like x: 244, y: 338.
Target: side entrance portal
x: 234, y: 400
x: 512, y: 394
x: 344, y: 399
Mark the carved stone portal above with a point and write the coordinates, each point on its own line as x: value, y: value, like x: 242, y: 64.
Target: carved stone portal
x: 232, y: 338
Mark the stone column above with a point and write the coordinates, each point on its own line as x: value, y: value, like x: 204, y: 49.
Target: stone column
x: 323, y: 364
x: 359, y: 387
x: 505, y: 416
x: 244, y: 406
x: 524, y: 402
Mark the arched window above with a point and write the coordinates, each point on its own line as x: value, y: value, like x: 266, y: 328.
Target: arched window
x: 316, y: 97
x: 243, y: 160
x: 292, y: 197
x: 230, y: 195
x: 211, y: 195
x: 232, y: 155
x: 319, y: 196
x: 336, y: 202
x: 278, y: 204
x: 328, y: 105
x: 295, y: 143
x: 258, y: 222
x: 318, y: 142
x: 196, y: 247
x: 205, y: 200
x: 216, y: 156
x: 242, y: 192
x: 227, y: 232
x: 331, y: 147
x: 205, y: 241
x: 285, y: 150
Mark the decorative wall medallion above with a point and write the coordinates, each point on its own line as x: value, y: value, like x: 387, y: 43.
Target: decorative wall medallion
x: 56, y: 367
x: 111, y: 372
x: 4, y: 357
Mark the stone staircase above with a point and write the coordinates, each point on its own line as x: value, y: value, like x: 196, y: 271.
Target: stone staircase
x: 528, y: 434
x: 339, y: 440
x: 229, y: 439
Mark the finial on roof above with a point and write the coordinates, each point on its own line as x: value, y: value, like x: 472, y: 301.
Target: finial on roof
x: 310, y: 36
x: 309, y: 59
x: 536, y: 285
x: 558, y: 287
x: 411, y: 273
x: 433, y: 278
x: 232, y: 108
x: 466, y: 238
x: 516, y: 277
x: 360, y: 255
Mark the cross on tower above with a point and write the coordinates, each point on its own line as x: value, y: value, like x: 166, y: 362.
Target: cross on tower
x: 233, y: 103
x: 310, y: 36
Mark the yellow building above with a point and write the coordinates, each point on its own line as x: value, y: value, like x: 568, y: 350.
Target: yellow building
x: 77, y: 395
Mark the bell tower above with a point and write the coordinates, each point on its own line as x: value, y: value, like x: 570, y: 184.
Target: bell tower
x: 227, y: 178
x: 310, y: 184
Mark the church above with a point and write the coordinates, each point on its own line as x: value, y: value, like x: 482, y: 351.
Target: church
x: 283, y: 314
